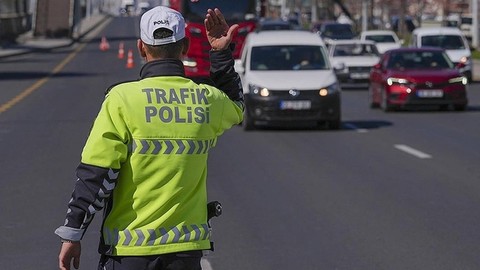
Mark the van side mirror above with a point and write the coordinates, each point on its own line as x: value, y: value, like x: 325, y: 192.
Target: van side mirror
x: 339, y: 66
x: 377, y: 66
x: 460, y: 65
x: 239, y: 68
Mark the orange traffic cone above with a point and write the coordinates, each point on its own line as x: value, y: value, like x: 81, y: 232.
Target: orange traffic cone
x: 104, y: 44
x: 130, y: 63
x: 121, y: 51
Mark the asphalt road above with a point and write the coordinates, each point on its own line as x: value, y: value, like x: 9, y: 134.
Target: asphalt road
x: 388, y: 191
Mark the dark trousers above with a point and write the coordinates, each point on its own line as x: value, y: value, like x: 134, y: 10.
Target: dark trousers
x: 189, y: 260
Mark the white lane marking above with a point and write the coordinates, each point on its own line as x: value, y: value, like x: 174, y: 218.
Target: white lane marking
x: 412, y: 151
x: 352, y: 126
x: 26, y: 92
x: 205, y: 264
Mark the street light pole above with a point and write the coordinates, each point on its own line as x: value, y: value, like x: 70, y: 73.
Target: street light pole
x: 364, y: 15
x: 313, y: 10
x: 475, y: 30
x: 401, y: 20
x: 283, y: 9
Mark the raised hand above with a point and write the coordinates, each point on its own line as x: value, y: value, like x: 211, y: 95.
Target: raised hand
x: 219, y: 34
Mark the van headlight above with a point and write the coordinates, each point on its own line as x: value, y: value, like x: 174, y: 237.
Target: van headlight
x: 329, y: 90
x: 257, y: 90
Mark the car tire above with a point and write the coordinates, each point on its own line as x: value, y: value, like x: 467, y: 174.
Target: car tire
x: 372, y: 103
x: 469, y: 76
x: 247, y: 123
x: 459, y: 108
x: 386, y: 107
x: 335, y: 124
x: 444, y: 107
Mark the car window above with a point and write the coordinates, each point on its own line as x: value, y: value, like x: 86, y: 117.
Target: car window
x: 338, y: 31
x: 288, y: 58
x: 381, y: 38
x: 385, y: 59
x: 339, y: 28
x: 355, y: 50
x: 413, y: 41
x: 274, y: 26
x: 467, y: 20
x: 448, y: 42
x: 419, y: 60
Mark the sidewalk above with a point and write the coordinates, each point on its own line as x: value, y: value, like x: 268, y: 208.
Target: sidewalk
x: 27, y: 43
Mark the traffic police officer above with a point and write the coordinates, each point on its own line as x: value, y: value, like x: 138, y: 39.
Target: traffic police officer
x: 145, y: 160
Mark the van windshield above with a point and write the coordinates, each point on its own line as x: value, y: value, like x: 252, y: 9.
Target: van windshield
x: 447, y: 42
x: 285, y: 57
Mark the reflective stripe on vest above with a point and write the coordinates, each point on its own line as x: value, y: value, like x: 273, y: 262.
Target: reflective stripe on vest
x: 169, y: 147
x: 161, y: 236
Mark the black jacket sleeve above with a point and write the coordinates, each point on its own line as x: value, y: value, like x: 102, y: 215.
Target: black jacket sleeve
x: 224, y: 76
x: 92, y: 190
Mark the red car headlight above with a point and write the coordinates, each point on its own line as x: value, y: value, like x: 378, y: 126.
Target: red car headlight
x: 391, y: 81
x: 463, y: 80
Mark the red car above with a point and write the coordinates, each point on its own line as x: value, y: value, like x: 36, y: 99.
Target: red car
x: 417, y: 76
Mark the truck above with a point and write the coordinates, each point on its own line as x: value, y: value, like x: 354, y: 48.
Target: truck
x: 127, y: 8
x: 196, y: 61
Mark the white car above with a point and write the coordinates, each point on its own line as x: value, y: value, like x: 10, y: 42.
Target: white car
x: 353, y: 60
x: 384, y: 39
x: 287, y: 79
x: 451, y: 39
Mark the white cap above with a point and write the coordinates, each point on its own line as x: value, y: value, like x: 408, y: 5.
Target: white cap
x: 161, y: 17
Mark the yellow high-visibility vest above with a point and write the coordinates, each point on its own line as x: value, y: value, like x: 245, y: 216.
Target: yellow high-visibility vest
x: 158, y: 132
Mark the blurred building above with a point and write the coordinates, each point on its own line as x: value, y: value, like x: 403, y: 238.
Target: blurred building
x: 378, y: 11
x: 15, y: 17
x: 48, y: 18
x: 63, y: 18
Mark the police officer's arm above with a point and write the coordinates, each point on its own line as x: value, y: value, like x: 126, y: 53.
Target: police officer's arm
x: 222, y: 70
x: 104, y: 151
x: 93, y: 187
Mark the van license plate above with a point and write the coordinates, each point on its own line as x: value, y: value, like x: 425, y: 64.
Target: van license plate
x: 295, y: 105
x: 360, y: 75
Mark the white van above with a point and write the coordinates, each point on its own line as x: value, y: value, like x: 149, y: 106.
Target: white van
x: 287, y: 79
x: 451, y: 39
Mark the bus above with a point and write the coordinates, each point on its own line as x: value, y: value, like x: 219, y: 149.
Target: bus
x: 197, y: 62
